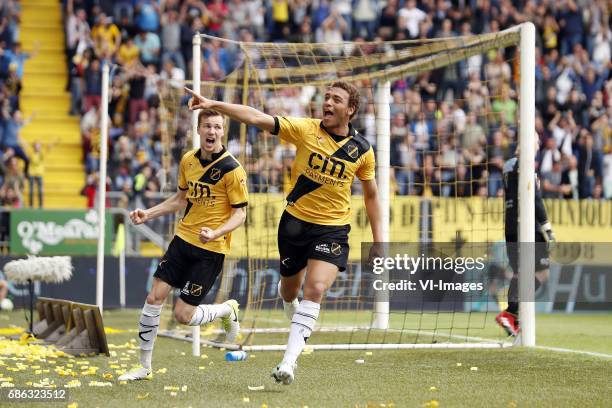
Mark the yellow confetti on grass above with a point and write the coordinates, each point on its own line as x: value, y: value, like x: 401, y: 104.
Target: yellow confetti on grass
x: 10, y: 331
x: 431, y: 404
x: 112, y: 330
x: 100, y: 384
x: 432, y: 388
x: 72, y: 405
x: 107, y: 376
x: 246, y: 399
x: 72, y: 384
x: 19, y: 351
x: 161, y: 371
x: 142, y: 396
x: 170, y: 388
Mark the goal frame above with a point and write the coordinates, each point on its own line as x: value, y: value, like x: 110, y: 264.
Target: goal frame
x: 526, y: 41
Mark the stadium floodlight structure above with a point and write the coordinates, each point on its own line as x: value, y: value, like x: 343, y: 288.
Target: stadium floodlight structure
x: 274, y: 77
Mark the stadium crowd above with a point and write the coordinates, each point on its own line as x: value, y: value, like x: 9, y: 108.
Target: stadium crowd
x: 13, y: 175
x: 452, y: 128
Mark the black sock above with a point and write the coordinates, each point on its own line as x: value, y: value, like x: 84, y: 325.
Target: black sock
x: 513, y: 304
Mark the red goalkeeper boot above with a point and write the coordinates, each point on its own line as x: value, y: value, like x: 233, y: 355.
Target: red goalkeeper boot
x: 509, y: 322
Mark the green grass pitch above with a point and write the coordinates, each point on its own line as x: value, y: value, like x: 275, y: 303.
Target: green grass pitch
x: 404, y: 378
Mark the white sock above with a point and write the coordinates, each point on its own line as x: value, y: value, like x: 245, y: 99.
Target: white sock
x: 302, y: 324
x: 208, y: 313
x: 147, y: 332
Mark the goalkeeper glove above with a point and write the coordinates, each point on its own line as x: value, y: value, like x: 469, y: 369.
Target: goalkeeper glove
x: 547, y: 231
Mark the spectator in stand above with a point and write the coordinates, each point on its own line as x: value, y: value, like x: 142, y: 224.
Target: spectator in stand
x: 147, y: 15
x: 175, y: 76
x: 106, y: 35
x: 410, y: 18
x: 17, y: 57
x: 217, y: 13
x: 128, y: 53
x: 93, y: 85
x: 589, y: 175
x: 572, y: 25
x: 365, y: 14
x: 11, y: 139
x: 136, y: 77
x: 552, y: 182
x: 149, y: 45
x: 171, y: 39
x: 89, y: 191
x: 78, y: 33
x: 37, y: 169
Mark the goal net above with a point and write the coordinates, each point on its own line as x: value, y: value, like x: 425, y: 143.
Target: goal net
x: 442, y: 115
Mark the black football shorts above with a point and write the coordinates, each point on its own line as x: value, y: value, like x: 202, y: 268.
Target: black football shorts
x: 189, y: 268
x: 299, y: 241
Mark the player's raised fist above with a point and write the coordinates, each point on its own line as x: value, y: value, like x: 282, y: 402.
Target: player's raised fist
x: 138, y: 216
x: 207, y: 234
x: 198, y: 101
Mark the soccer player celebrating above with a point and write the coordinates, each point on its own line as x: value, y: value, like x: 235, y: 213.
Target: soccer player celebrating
x: 313, y: 230
x: 212, y: 190
x: 508, y: 319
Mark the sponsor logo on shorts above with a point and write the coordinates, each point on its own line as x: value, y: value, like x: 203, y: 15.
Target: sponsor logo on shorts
x: 336, y: 249
x: 196, y: 290
x: 185, y: 290
x: 323, y: 248
x: 285, y: 262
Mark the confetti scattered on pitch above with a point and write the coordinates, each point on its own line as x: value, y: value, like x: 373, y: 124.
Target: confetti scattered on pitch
x: 256, y: 388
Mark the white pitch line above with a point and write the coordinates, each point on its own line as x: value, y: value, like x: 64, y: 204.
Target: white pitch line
x: 564, y: 350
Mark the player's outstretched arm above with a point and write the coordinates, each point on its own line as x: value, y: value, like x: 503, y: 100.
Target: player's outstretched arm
x: 241, y: 113
x: 235, y: 220
x: 172, y: 204
x: 372, y: 205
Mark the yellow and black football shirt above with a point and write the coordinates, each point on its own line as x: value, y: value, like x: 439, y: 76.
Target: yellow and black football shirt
x: 324, y: 168
x: 213, y: 189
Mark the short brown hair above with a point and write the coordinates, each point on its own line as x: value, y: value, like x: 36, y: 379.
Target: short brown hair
x: 206, y: 113
x: 353, y: 94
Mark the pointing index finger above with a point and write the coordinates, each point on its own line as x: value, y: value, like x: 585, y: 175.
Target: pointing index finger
x: 191, y: 92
